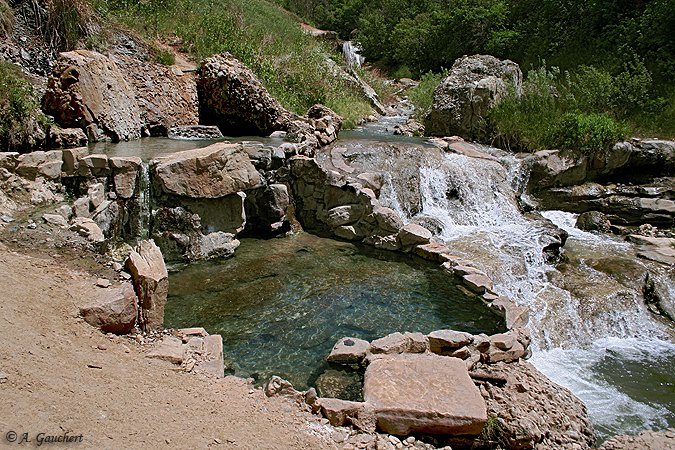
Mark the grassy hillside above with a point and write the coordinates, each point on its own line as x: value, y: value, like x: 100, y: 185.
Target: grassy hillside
x: 261, y: 34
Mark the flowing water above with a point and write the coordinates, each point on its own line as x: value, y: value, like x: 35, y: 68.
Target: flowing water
x: 591, y: 330
x: 281, y: 304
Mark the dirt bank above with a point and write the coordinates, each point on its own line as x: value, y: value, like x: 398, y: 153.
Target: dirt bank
x: 59, y: 375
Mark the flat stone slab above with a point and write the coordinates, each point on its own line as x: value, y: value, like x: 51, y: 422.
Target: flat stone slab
x: 424, y: 393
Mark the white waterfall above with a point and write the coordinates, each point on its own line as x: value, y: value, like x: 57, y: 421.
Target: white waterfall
x: 351, y: 54
x: 579, y: 319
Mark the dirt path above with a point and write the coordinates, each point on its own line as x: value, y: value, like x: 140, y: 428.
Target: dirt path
x: 64, y: 376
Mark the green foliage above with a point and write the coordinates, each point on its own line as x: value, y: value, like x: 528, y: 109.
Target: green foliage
x: 19, y: 112
x: 492, y: 432
x: 589, y: 132
x: 260, y: 34
x: 422, y: 96
x: 163, y: 56
x: 582, y: 110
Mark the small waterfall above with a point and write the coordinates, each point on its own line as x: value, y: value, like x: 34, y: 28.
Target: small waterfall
x: 143, y: 218
x: 588, y: 322
x: 350, y: 53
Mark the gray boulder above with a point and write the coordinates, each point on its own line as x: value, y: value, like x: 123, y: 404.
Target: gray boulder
x: 475, y: 84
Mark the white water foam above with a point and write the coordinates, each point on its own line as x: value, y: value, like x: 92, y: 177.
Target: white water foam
x: 575, y: 332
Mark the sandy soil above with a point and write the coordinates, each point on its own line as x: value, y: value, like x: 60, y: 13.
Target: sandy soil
x: 61, y: 375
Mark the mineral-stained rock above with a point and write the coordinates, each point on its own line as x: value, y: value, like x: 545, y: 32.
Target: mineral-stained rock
x: 348, y: 350
x: 210, y: 172
x: 534, y: 412
x: 113, y: 310
x: 151, y: 280
x: 195, y: 132
x: 593, y: 221
x: 232, y: 98
x: 88, y: 90
x: 423, y: 393
x: 475, y: 84
x: 339, y: 384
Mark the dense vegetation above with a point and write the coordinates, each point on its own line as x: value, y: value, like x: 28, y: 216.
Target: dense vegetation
x: 610, y: 64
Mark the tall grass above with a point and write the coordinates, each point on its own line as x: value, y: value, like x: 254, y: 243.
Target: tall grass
x: 422, y: 96
x: 262, y: 35
x: 7, y: 19
x: 67, y: 22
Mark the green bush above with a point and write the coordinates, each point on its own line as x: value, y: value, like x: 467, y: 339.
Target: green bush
x: 588, y: 132
x: 19, y: 113
x: 163, y: 56
x: 422, y: 96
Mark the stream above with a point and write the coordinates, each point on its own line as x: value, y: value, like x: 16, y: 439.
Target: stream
x: 590, y: 328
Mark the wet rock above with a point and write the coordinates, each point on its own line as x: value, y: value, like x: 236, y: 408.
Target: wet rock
x: 348, y: 351
x: 86, y: 89
x: 388, y: 220
x: 344, y: 215
x: 593, y: 221
x: 423, y: 394
x: 113, y: 310
x: 125, y: 174
x: 266, y: 210
x: 195, y: 132
x: 645, y: 440
x: 233, y: 98
x: 339, y: 384
x: 210, y: 172
x: 215, y: 245
x: 475, y: 84
x: 151, y: 281
x: 412, y: 234
x: 432, y: 251
x: 533, y: 411
x: 410, y: 128
x: 477, y: 283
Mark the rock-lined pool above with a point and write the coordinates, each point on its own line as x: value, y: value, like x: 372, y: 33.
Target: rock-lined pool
x: 281, y: 304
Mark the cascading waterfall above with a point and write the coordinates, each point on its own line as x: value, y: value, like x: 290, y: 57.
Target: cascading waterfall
x: 585, y: 324
x: 351, y: 54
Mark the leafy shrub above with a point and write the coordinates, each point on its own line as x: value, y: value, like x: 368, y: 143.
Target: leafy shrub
x: 19, y: 113
x: 589, y: 132
x: 162, y: 55
x: 422, y: 96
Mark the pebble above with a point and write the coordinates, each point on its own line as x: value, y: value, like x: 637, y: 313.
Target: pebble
x: 410, y: 440
x: 103, y: 282
x: 3, y: 377
x: 102, y: 347
x: 7, y: 219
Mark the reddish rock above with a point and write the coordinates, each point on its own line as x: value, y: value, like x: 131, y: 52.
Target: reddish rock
x: 349, y: 350
x: 114, y: 310
x: 151, y: 280
x: 413, y: 393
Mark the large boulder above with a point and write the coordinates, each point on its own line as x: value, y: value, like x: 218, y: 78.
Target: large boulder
x: 233, y: 98
x: 424, y: 393
x: 151, y: 281
x: 475, y: 84
x: 88, y: 90
x: 210, y: 172
x: 113, y: 310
